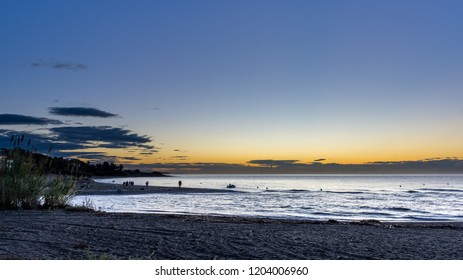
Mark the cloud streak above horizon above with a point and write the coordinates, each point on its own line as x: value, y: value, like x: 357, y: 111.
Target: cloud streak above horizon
x: 59, y: 65
x: 438, y: 166
x: 15, y: 119
x: 87, y: 142
x: 102, y: 136
x: 73, y: 141
x: 273, y: 163
x: 80, y: 112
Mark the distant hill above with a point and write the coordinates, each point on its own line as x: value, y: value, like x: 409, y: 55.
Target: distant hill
x: 65, y: 166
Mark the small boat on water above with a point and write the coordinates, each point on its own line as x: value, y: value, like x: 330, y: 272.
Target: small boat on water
x: 231, y: 186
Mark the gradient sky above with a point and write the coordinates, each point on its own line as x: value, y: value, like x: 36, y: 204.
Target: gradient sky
x: 237, y: 81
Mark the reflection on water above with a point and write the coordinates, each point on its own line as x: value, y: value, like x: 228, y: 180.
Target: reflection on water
x: 343, y: 197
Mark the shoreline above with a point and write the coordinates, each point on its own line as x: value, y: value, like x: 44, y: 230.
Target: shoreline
x: 91, y: 187
x: 28, y: 234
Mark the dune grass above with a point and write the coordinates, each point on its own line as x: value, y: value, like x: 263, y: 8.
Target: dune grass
x: 25, y: 184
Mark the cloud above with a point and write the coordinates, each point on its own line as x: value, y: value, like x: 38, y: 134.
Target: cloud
x: 80, y: 112
x: 69, y: 66
x: 59, y: 65
x: 14, y: 119
x: 72, y: 141
x: 180, y: 157
x: 88, y: 156
x: 151, y: 152
x: 83, y: 155
x: 39, y: 142
x: 102, y: 137
x: 273, y: 163
x: 129, y: 158
x: 198, y: 167
x: 441, y: 166
x: 320, y: 159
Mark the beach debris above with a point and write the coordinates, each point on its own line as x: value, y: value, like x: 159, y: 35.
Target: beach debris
x: 231, y: 186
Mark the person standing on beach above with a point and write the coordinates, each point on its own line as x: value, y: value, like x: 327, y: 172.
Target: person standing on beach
x: 179, y: 184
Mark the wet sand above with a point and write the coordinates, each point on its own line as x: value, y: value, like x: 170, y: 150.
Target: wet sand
x: 90, y: 187
x: 94, y: 235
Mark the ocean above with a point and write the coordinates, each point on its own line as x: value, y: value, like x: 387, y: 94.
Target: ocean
x: 306, y: 197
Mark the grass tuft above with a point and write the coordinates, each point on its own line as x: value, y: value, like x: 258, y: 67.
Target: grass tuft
x: 25, y: 185
x: 87, y: 206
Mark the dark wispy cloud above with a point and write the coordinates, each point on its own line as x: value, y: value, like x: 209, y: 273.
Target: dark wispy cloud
x: 320, y: 159
x: 39, y: 142
x: 102, y: 136
x: 85, y: 155
x: 437, y: 166
x: 180, y: 157
x: 14, y: 119
x: 151, y: 152
x: 273, y: 163
x: 198, y: 167
x: 80, y: 112
x: 59, y: 65
x: 72, y: 141
x: 129, y: 158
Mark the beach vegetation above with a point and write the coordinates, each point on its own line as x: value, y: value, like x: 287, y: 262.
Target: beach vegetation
x: 24, y: 182
x: 86, y: 206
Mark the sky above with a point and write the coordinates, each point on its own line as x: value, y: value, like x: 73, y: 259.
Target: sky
x: 179, y: 85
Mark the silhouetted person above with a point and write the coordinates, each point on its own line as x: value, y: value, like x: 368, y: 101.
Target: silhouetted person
x: 147, y: 183
x: 179, y: 184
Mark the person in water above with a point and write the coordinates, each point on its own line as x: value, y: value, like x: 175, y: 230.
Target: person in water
x: 179, y: 184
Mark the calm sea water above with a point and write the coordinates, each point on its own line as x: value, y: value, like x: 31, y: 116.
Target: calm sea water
x: 310, y: 197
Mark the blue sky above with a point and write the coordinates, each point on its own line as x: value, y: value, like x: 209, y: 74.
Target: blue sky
x: 238, y: 81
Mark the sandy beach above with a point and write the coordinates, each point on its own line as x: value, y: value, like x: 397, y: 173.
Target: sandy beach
x: 82, y: 235
x: 64, y: 234
x: 90, y: 187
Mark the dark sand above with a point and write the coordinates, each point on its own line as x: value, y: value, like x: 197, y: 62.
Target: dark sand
x: 82, y: 235
x: 97, y: 235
